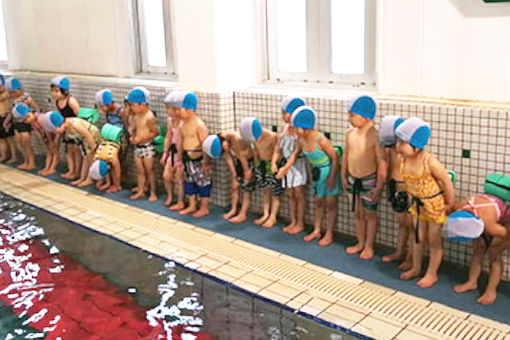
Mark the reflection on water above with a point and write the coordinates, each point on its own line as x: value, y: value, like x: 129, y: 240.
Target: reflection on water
x: 58, y: 280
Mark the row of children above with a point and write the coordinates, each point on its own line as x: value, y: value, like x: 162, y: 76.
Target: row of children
x: 258, y: 158
x: 420, y: 189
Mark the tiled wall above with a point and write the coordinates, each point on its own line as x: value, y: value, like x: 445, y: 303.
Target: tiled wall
x: 483, y: 131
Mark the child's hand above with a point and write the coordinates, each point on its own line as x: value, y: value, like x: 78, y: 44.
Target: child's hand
x: 376, y: 193
x: 274, y: 167
x: 281, y: 173
x: 248, y: 174
x: 164, y: 158
x: 206, y: 167
x: 136, y: 140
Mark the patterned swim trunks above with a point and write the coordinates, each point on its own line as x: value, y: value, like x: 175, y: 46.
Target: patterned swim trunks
x: 145, y: 150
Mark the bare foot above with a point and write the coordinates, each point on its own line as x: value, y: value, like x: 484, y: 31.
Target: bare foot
x: 326, y: 240
x: 66, y: 175
x: 188, y: 210
x: 42, y: 172
x: 201, y: 212
x: 177, y: 206
x: 77, y: 182
x: 85, y: 183
x: 103, y: 186
x: 487, y: 298
x: 391, y: 257
x: 427, y: 281
x: 367, y: 254
x: 410, y: 274
x: 3, y: 159
x: 112, y: 189
x: 269, y: 223
x: 229, y: 214
x: 12, y: 160
x: 296, y: 229
x: 465, y: 287
x: 312, y: 236
x: 261, y: 220
x: 406, y: 265
x: 137, y: 195
x: 238, y: 219
x: 354, y: 249
x: 30, y: 167
x: 168, y: 201
x: 287, y: 228
x: 50, y: 172
x: 22, y: 166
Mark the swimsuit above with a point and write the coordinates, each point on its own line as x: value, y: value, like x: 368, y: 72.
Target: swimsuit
x: 427, y: 197
x: 67, y: 112
x: 320, y: 172
x: 114, y: 118
x: 144, y: 150
x: 81, y: 141
x: 297, y: 174
x: 173, y: 159
x: 265, y: 177
x: 196, y: 181
x: 247, y: 186
x: 361, y: 187
x: 501, y: 207
x: 399, y: 199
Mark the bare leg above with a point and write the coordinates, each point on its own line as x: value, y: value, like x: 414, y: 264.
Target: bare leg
x: 317, y: 219
x: 417, y: 254
x: 3, y: 150
x: 234, y: 199
x: 371, y: 223
x: 436, y: 255
x: 331, y: 206
x: 204, y: 208
x: 87, y: 160
x: 148, y: 164
x: 167, y: 180
x: 70, y: 163
x: 115, y: 176
x: 266, y: 195
x: 12, y: 150
x: 475, y: 268
x: 490, y: 295
x: 140, y: 178
x: 179, y: 178
x: 495, y: 229
x: 78, y: 161
x: 275, y: 206
x: 300, y: 210
x: 402, y: 236
x: 245, y: 205
x: 292, y: 198
x: 55, y: 157
x: 192, y: 207
x: 360, y: 226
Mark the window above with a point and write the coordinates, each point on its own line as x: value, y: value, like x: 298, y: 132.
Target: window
x: 324, y: 41
x: 154, y: 33
x: 3, y: 41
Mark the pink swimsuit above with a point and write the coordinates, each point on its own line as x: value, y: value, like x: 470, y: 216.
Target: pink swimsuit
x: 502, y: 208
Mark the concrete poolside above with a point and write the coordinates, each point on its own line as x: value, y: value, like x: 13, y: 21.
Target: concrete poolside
x: 324, y: 283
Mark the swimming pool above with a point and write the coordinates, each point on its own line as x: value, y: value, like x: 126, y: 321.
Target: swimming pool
x: 61, y: 279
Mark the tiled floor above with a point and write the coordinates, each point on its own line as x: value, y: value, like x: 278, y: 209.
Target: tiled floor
x: 332, y: 296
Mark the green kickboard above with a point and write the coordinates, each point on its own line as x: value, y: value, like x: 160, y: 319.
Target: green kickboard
x: 497, y: 185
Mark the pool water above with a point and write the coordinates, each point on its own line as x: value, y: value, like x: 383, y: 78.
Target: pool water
x: 59, y: 280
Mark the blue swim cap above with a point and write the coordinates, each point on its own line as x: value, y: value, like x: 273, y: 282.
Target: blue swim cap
x: 387, y: 130
x: 462, y: 226
x: 139, y: 95
x: 61, y: 82
x: 20, y: 110
x: 363, y: 106
x: 212, y: 146
x: 52, y: 120
x: 104, y: 97
x: 186, y: 100
x: 13, y: 84
x: 414, y: 131
x: 304, y: 117
x: 289, y: 104
x: 250, y: 129
x: 98, y: 169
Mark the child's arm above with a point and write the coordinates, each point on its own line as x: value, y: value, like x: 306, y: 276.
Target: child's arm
x: 382, y: 171
x: 290, y: 162
x: 202, y: 134
x: 32, y: 104
x: 343, y: 169
x: 277, y: 153
x: 247, y: 172
x: 74, y: 105
x: 7, y: 120
x: 168, y: 141
x: 439, y: 172
x: 230, y: 164
x: 326, y: 146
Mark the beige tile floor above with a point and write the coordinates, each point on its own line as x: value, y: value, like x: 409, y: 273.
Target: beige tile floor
x: 350, y: 302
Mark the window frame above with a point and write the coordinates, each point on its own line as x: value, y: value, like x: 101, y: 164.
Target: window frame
x: 141, y: 44
x: 319, y: 48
